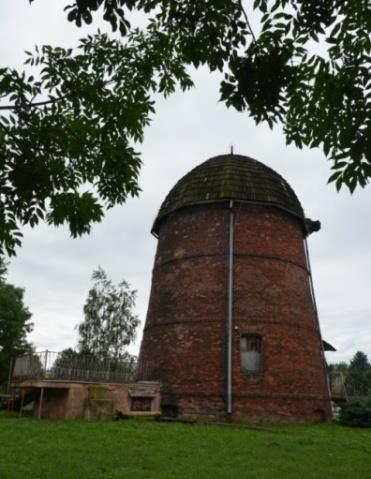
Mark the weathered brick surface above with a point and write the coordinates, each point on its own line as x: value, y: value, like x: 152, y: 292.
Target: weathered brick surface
x: 185, y: 331
x: 70, y: 400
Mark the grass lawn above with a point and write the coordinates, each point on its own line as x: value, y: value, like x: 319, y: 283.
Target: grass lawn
x: 31, y: 449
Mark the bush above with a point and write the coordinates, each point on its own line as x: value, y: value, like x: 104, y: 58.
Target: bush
x: 356, y: 412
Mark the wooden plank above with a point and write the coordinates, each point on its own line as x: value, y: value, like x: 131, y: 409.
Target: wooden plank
x: 40, y: 403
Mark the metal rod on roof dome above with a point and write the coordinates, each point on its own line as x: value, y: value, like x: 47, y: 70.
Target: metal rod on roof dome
x: 230, y: 311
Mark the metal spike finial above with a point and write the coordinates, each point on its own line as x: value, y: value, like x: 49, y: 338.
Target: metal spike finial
x: 232, y: 152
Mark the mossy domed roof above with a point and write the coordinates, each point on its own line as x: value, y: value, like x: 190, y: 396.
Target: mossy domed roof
x: 230, y: 177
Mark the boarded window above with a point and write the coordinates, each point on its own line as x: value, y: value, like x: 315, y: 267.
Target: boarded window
x: 251, y: 357
x: 141, y: 403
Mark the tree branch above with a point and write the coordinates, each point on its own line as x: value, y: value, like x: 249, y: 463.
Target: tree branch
x: 247, y: 20
x: 48, y: 102
x: 35, y: 104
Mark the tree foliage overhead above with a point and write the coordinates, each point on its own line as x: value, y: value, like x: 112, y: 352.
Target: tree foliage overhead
x: 15, y: 324
x: 69, y: 128
x: 109, y: 324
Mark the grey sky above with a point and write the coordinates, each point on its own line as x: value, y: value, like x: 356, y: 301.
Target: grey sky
x: 186, y: 130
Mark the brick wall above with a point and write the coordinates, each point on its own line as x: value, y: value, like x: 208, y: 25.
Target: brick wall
x: 185, y: 331
x: 84, y: 400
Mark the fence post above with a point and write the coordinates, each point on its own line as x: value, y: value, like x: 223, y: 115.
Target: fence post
x: 22, y: 403
x: 40, y: 402
x: 9, y: 376
x: 45, y: 362
x: 108, y: 369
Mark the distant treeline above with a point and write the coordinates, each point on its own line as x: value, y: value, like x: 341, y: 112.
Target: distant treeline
x: 356, y: 373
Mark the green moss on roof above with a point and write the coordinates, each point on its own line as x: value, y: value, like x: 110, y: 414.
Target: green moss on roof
x: 230, y: 177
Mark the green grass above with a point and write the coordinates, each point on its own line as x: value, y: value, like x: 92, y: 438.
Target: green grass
x: 140, y: 449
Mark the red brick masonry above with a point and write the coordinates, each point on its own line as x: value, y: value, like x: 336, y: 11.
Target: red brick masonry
x: 185, y: 330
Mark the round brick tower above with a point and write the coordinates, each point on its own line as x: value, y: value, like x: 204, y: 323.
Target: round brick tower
x: 232, y: 328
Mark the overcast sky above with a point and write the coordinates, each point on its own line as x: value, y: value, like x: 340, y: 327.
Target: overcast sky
x: 186, y: 130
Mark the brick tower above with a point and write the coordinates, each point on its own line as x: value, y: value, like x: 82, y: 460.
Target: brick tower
x: 232, y: 328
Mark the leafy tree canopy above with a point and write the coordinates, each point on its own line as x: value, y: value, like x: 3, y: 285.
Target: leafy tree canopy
x: 341, y: 367
x: 109, y: 324
x: 357, y: 374
x: 360, y: 363
x: 15, y: 324
x: 69, y: 125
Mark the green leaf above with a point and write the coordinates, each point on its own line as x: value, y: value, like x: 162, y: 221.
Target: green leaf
x: 334, y: 176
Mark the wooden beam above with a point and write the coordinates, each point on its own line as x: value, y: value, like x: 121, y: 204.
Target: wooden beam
x: 22, y: 403
x: 40, y: 403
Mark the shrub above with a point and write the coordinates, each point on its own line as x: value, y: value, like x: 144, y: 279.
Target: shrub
x: 356, y: 412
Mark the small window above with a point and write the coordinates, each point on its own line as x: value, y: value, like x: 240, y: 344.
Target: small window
x: 141, y: 403
x: 251, y: 358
